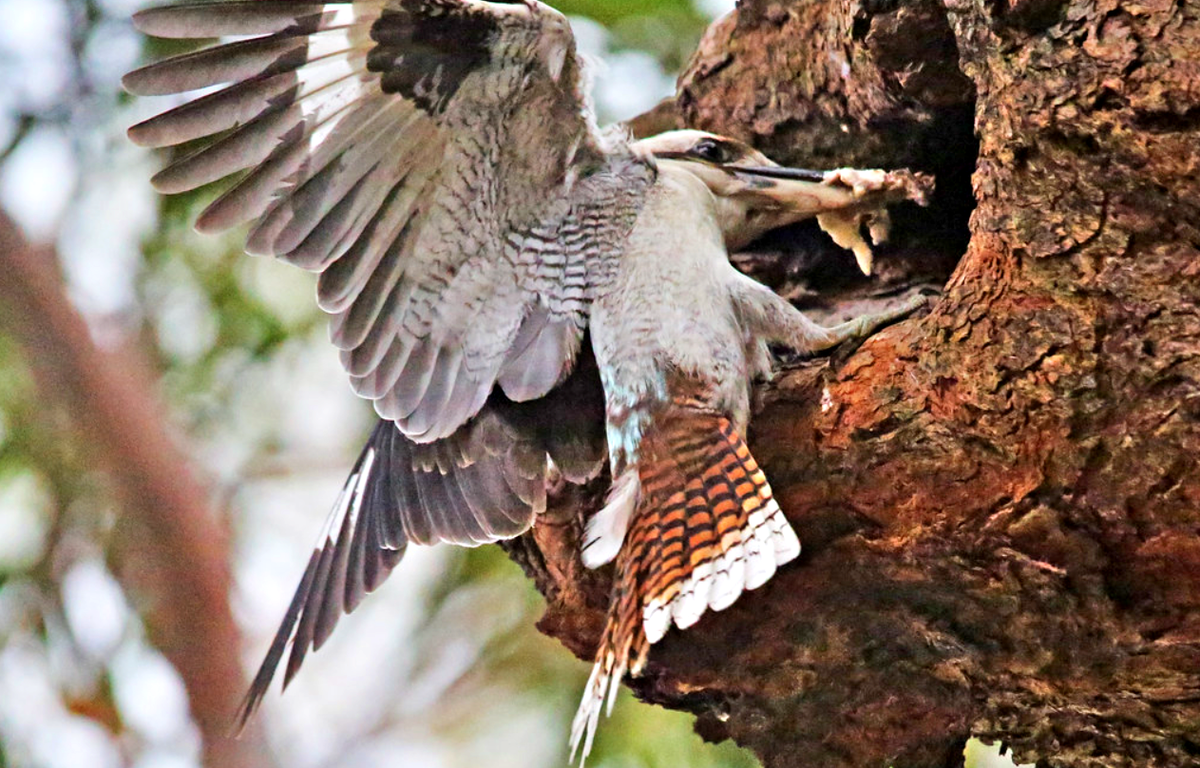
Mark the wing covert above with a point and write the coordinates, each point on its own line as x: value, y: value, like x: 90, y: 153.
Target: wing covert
x: 434, y: 160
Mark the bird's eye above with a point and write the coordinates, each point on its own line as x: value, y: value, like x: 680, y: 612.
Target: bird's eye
x: 711, y: 151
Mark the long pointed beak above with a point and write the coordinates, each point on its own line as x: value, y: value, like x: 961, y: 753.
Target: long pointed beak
x: 797, y: 191
x: 779, y: 172
x: 775, y: 196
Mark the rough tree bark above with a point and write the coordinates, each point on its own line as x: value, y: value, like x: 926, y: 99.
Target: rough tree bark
x: 1000, y: 501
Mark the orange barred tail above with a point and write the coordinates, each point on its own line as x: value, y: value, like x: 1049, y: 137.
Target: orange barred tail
x: 706, y: 529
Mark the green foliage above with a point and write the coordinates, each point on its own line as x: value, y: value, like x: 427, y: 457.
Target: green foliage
x: 612, y: 12
x: 667, y: 29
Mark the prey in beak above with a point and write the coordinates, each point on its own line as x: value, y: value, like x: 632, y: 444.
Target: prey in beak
x: 755, y: 195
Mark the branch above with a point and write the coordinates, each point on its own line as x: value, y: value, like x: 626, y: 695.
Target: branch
x: 172, y: 554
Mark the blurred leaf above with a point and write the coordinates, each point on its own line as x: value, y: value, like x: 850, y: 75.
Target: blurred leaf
x: 609, y: 12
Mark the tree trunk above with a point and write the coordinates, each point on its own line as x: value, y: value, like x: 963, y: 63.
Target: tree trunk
x: 999, y: 502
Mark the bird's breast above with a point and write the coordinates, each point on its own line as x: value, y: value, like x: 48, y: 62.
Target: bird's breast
x: 668, y: 315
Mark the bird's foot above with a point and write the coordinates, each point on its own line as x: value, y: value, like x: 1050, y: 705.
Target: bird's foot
x: 871, y: 323
x: 860, y: 181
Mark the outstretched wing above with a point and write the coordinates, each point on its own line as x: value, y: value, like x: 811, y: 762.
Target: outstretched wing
x: 433, y: 160
x: 480, y: 485
x: 484, y: 483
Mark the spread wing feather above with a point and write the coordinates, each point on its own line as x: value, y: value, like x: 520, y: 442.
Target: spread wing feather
x: 484, y: 483
x: 433, y: 160
x: 462, y: 490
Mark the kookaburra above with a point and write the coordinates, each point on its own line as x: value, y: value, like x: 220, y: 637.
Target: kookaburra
x: 519, y: 293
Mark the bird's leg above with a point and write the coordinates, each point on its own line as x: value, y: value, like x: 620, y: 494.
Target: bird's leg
x: 770, y: 317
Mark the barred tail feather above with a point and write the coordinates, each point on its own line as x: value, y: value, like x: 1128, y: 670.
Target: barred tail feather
x: 721, y: 530
x: 623, y: 644
x: 706, y: 528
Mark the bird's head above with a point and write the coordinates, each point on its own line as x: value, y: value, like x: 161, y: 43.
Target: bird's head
x: 753, y: 193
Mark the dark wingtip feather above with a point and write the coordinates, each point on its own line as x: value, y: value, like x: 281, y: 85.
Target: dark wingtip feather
x: 139, y: 82
x: 332, y: 573
x: 305, y: 636
x: 238, y: 17
x: 266, y: 671
x: 399, y: 491
x: 330, y: 607
x: 140, y: 19
x: 138, y: 134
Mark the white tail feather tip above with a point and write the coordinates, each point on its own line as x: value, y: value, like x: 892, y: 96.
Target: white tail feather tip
x: 730, y: 579
x: 583, y: 727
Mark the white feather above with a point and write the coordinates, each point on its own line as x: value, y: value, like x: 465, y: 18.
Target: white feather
x: 316, y: 75
x: 349, y: 500
x: 606, y: 529
x: 760, y: 550
x: 787, y: 543
x: 583, y: 727
x: 656, y: 619
x: 730, y: 578
x: 344, y: 15
x: 614, y: 683
x: 689, y: 605
x: 359, y: 484
x: 329, y: 42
